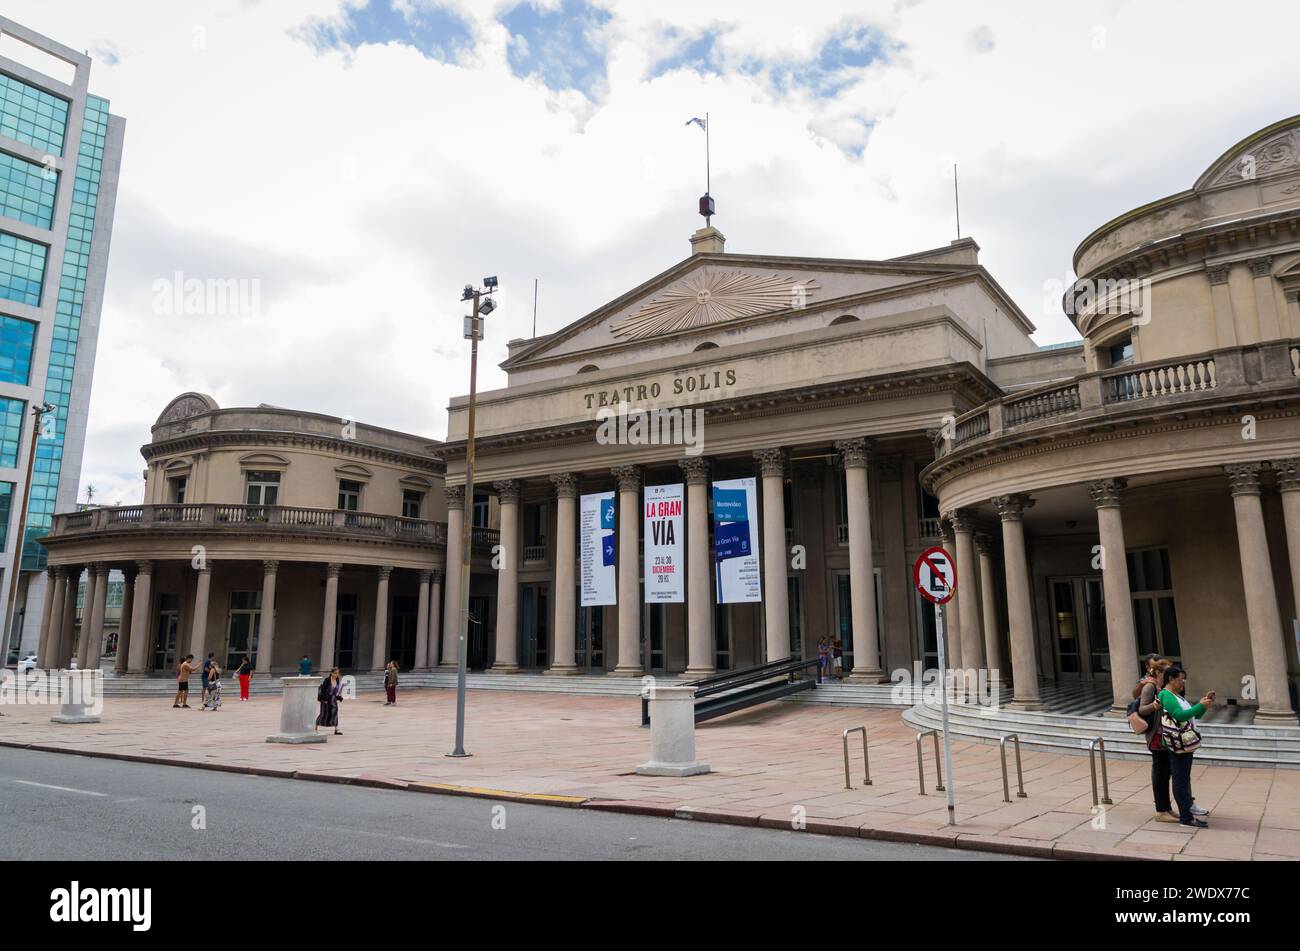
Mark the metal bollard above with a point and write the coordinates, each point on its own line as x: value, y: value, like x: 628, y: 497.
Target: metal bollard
x: 866, y: 763
x: 1020, y: 776
x: 1092, y: 765
x: 920, y: 763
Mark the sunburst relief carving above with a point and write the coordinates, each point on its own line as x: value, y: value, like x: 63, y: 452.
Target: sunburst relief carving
x: 713, y: 297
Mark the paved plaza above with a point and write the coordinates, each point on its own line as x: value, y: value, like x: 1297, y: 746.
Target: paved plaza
x: 773, y: 766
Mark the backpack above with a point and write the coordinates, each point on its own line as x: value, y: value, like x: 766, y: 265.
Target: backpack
x: 1136, y: 721
x: 323, y: 692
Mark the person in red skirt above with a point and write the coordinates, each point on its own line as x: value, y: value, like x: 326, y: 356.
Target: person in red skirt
x: 245, y: 674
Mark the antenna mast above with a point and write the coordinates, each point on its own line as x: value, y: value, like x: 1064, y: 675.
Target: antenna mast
x: 956, y: 199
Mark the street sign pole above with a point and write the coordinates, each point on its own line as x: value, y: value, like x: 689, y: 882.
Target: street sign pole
x: 943, y: 692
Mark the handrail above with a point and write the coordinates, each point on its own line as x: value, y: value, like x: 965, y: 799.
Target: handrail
x: 1092, y: 765
x: 920, y: 762
x: 1020, y: 776
x: 735, y: 679
x: 866, y: 762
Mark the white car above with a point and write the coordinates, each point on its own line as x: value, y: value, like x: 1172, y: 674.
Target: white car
x: 27, y: 663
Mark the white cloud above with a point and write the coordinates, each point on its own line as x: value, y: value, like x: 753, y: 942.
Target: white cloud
x: 364, y: 190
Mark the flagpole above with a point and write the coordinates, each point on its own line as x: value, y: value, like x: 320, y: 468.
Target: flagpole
x: 708, y: 173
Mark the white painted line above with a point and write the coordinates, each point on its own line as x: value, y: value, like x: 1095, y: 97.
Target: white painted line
x: 402, y: 838
x: 84, y: 792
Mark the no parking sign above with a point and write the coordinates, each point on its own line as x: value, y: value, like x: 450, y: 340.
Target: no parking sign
x: 935, y: 575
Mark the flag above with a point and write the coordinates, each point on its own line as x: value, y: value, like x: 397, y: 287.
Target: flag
x: 702, y: 123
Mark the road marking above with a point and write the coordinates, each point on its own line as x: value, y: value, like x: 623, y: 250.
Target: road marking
x: 484, y: 792
x: 402, y: 838
x: 84, y: 792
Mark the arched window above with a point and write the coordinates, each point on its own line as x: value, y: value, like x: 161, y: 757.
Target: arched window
x: 846, y: 319
x: 588, y: 368
x: 707, y: 345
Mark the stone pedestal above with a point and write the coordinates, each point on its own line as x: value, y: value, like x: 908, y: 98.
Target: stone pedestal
x: 298, y: 712
x: 81, y: 696
x: 672, y: 734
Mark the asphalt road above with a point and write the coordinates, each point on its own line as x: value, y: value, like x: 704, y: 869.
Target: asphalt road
x: 76, y: 808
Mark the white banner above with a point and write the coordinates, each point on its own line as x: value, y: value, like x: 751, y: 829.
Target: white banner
x: 597, y: 539
x: 735, y: 541
x: 664, y: 528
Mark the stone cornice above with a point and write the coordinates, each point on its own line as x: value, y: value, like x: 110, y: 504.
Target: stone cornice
x: 198, y: 441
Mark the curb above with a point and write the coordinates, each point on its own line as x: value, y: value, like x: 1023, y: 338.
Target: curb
x: 948, y: 840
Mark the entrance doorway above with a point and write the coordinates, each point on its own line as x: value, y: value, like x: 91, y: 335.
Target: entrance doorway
x: 242, y: 628
x: 402, y: 631
x: 590, y: 635
x: 165, y: 634
x: 345, y: 632
x: 1079, y: 628
x: 476, y: 648
x: 535, y: 612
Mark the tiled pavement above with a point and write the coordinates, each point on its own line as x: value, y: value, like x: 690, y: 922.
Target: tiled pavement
x: 771, y: 765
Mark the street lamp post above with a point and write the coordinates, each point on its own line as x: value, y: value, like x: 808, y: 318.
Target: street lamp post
x: 38, y: 416
x: 482, y: 306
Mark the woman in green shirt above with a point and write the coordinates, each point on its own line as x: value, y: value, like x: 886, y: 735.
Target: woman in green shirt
x: 1180, y: 764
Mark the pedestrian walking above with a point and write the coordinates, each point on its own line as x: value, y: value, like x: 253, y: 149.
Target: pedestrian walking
x: 837, y: 658
x: 328, y: 695
x: 245, y: 675
x: 390, y: 683
x: 1182, y: 739
x: 183, y: 682
x: 207, y: 666
x: 212, y: 692
x: 823, y: 659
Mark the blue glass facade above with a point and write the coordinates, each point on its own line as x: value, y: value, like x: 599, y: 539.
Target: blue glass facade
x: 22, y: 269
x: 67, y: 327
x: 6, y: 510
x: 26, y: 191
x: 17, y: 340
x: 11, y: 431
x: 32, y: 115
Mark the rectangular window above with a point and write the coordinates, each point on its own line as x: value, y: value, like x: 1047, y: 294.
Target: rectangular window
x: 1154, y: 616
x: 178, y: 486
x: 22, y: 269
x: 26, y: 191
x: 349, y: 495
x: 261, y: 487
x: 480, y: 512
x: 6, y: 509
x: 11, y: 431
x: 17, y: 340
x: 32, y: 115
x: 534, y: 514
x: 412, y: 503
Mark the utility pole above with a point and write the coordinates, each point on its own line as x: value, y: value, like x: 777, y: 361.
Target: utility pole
x: 38, y: 415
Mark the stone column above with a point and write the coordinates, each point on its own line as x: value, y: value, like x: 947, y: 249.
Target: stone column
x: 972, y: 642
x: 776, y: 600
x: 1261, y: 272
x: 379, y: 655
x: 426, y: 650
x: 699, y: 599
x: 1114, y: 579
x: 141, y: 602
x: 435, y: 616
x: 989, y: 602
x: 507, y: 655
x: 95, y: 642
x: 862, y: 587
x: 266, y: 622
x: 87, y: 601
x: 1262, y: 616
x: 451, y: 619
x: 630, y: 662
x: 124, y: 624
x: 565, y: 657
x: 68, y: 639
x: 52, y: 641
x: 43, y: 644
x: 330, y: 616
x: 952, y: 610
x: 199, y: 624
x: 1024, y: 657
x: 1225, y: 319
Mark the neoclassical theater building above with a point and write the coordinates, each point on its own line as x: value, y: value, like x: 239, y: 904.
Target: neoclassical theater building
x: 1136, y: 492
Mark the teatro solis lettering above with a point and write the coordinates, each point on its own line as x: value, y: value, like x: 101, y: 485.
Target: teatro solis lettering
x: 640, y: 392
x: 98, y: 905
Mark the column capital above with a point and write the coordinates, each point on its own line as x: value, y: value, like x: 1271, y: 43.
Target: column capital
x: 1218, y: 273
x: 1011, y: 508
x: 333, y: 570
x: 101, y: 568
x: 52, y: 572
x: 771, y: 462
x: 426, y: 576
x: 455, y: 495
x: 566, y: 485
x: 270, y: 567
x: 1243, y: 477
x: 629, y: 478
x: 984, y: 543
x: 144, y: 567
x: 963, y: 520
x: 696, y: 469
x: 1106, y: 492
x: 383, y: 571
x: 1261, y: 266
x: 855, y: 453
x: 204, y: 569
x: 507, y: 491
x: 1287, y: 473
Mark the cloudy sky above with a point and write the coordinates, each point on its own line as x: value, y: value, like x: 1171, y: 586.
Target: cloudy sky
x: 356, y: 162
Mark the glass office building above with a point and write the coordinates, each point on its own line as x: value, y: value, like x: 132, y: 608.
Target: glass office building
x: 60, y: 150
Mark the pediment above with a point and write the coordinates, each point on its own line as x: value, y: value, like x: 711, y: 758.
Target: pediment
x: 1272, y: 152
x: 350, y: 470
x: 263, y: 460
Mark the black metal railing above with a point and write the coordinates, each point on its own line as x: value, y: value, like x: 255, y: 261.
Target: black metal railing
x: 732, y: 690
